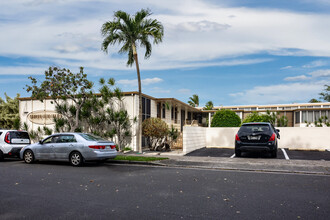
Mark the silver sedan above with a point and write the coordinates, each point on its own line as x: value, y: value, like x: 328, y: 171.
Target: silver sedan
x: 73, y: 147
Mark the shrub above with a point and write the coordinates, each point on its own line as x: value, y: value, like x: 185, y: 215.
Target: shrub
x: 225, y: 118
x: 156, y: 131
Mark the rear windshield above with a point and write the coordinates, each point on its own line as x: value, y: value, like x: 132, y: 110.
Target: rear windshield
x: 19, y: 135
x: 255, y: 128
x: 90, y: 137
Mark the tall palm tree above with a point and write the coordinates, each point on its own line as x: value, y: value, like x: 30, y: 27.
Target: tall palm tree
x: 131, y: 32
x: 194, y: 100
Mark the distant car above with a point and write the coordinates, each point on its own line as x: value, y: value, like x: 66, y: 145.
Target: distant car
x: 11, y: 142
x: 258, y: 136
x: 73, y: 147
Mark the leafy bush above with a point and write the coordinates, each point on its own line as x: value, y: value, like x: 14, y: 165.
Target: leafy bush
x: 156, y: 131
x: 225, y: 118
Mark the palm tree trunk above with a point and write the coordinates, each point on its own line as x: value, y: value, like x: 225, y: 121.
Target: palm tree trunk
x: 139, y: 134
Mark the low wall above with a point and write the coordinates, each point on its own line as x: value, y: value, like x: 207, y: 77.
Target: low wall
x: 309, y: 138
x: 193, y: 138
x: 306, y: 138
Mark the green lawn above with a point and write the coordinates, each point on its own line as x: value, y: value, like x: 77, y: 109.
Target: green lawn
x: 138, y: 158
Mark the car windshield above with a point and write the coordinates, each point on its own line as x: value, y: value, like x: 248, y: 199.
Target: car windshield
x: 254, y: 128
x: 90, y: 137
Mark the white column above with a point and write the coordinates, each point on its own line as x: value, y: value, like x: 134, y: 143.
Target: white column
x: 209, y: 119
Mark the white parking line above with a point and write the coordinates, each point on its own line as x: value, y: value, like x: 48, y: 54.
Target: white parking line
x: 232, y: 156
x: 285, y: 154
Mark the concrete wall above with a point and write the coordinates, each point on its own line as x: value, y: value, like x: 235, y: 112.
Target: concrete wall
x: 308, y: 138
x: 193, y: 138
x: 311, y: 138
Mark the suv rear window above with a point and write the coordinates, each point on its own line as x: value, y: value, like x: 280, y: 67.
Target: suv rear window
x: 19, y: 135
x: 255, y: 128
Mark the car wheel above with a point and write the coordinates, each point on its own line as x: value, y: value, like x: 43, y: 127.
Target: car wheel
x: 1, y: 156
x: 28, y: 156
x: 274, y: 153
x: 238, y: 153
x: 76, y: 159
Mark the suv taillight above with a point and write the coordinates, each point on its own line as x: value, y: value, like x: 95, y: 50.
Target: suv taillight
x: 272, y: 138
x: 7, y: 138
x: 237, y: 138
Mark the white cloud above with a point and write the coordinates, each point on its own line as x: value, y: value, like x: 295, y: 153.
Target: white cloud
x: 297, y: 78
x: 316, y: 63
x: 202, y: 26
x: 320, y: 73
x: 286, y: 67
x: 133, y: 82
x: 22, y: 70
x: 51, y: 32
x: 149, y: 81
x: 281, y: 93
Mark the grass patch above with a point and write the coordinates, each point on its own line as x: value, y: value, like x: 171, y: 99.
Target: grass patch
x: 138, y: 158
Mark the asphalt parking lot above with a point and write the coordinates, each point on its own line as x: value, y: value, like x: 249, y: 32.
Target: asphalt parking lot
x: 281, y: 154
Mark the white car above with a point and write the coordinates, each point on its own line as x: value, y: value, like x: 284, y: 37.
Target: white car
x: 11, y: 142
x: 73, y: 147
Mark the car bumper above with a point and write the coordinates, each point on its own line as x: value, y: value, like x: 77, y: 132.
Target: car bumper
x: 14, y: 152
x: 99, y: 155
x: 242, y: 146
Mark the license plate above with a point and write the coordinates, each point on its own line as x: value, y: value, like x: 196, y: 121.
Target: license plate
x: 107, y: 147
x: 254, y: 138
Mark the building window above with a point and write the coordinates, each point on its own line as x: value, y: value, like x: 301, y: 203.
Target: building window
x: 316, y: 115
x: 303, y: 116
x: 163, y: 111
x: 297, y: 117
x: 172, y: 113
x: 158, y: 110
x: 146, y: 108
x: 310, y: 116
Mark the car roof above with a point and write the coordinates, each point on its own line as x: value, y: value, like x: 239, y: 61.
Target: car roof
x: 258, y: 123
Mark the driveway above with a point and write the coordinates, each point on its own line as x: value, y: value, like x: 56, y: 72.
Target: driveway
x: 281, y: 154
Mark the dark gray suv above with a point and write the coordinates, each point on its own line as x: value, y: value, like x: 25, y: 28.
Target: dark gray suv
x: 257, y: 136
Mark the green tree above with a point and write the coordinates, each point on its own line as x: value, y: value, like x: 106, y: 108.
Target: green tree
x: 326, y: 94
x: 209, y: 105
x: 271, y: 117
x: 314, y: 101
x: 61, y: 85
x: 225, y: 118
x: 9, y: 113
x: 132, y: 31
x: 194, y: 100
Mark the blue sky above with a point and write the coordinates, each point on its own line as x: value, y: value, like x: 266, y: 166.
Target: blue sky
x: 234, y: 52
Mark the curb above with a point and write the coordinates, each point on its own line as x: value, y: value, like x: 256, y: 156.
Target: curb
x: 207, y: 167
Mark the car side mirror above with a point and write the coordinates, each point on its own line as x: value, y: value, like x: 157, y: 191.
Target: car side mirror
x: 278, y: 130
x: 40, y: 142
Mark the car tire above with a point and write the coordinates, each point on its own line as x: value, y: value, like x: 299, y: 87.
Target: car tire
x: 28, y: 156
x: 274, y: 153
x: 76, y: 159
x: 1, y: 156
x: 238, y: 153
